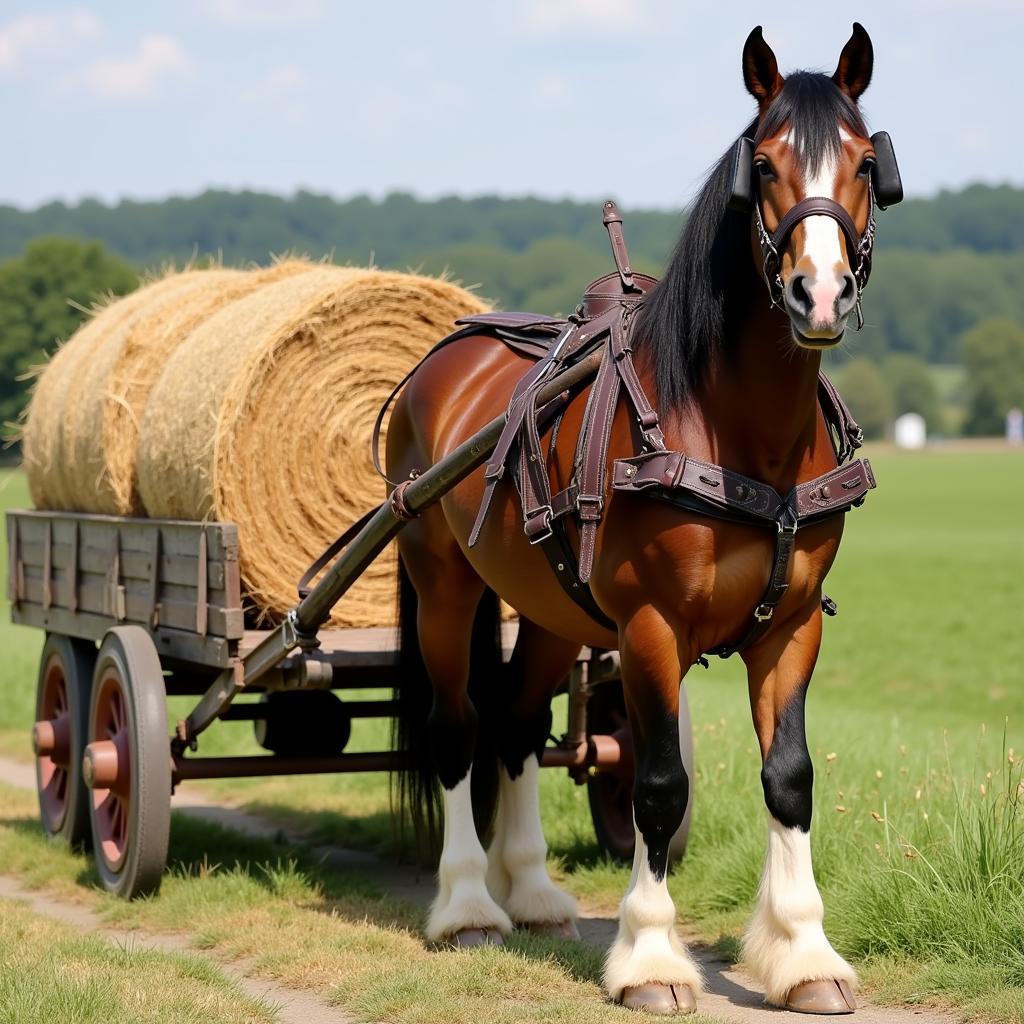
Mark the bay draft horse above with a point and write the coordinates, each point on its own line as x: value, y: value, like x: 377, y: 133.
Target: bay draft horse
x: 735, y: 378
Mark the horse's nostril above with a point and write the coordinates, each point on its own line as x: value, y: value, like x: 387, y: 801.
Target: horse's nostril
x: 798, y: 295
x: 848, y: 296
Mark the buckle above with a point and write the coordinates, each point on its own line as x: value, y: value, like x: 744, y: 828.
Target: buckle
x: 787, y: 521
x: 764, y: 612
x: 546, y: 529
x: 594, y: 500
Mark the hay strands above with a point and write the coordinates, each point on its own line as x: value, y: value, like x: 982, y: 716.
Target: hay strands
x: 299, y: 628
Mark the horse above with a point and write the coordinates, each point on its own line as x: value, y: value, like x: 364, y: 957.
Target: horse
x: 735, y: 375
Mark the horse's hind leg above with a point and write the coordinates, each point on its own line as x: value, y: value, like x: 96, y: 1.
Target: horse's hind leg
x: 449, y: 592
x: 517, y: 875
x: 785, y: 945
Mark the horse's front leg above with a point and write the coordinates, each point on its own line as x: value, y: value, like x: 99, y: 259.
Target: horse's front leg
x: 785, y: 946
x: 649, y: 967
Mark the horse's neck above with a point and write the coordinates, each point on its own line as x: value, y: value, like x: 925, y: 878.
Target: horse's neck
x: 758, y: 408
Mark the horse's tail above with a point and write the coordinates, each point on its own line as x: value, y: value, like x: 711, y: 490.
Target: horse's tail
x: 416, y: 795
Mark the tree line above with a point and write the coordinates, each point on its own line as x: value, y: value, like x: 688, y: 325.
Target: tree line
x: 943, y: 265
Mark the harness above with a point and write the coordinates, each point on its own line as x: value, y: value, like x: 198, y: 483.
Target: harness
x: 603, y: 320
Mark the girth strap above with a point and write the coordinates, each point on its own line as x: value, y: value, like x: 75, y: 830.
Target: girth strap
x: 778, y: 584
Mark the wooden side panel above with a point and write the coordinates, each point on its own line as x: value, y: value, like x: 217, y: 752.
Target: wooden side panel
x: 81, y: 574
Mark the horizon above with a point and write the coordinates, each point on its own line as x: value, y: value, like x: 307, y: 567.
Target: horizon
x: 379, y: 199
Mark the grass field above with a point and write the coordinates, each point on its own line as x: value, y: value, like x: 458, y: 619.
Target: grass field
x: 915, y: 722
x: 52, y: 974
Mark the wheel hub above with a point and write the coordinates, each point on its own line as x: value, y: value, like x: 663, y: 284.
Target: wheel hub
x: 51, y: 738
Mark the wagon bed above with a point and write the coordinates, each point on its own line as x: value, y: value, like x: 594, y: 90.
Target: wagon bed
x: 162, y: 601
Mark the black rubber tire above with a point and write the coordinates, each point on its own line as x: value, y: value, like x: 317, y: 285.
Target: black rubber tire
x: 610, y: 795
x: 73, y: 661
x: 128, y: 654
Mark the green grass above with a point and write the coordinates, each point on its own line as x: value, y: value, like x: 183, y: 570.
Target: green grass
x: 917, y: 695
x: 52, y: 975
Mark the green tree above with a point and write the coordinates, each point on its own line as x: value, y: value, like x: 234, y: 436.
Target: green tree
x: 912, y: 387
x: 868, y: 396
x: 42, y: 297
x: 993, y: 355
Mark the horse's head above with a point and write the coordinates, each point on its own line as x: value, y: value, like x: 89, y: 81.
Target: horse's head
x: 812, y: 177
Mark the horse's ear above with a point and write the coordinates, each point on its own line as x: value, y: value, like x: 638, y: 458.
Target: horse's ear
x: 760, y: 69
x: 853, y: 75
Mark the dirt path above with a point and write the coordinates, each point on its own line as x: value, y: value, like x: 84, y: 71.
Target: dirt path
x: 293, y: 1007
x: 731, y: 995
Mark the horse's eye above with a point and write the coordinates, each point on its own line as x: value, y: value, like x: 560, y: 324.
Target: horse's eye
x: 865, y: 167
x: 764, y: 169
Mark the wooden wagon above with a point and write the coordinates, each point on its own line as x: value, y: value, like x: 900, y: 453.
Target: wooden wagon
x: 136, y: 610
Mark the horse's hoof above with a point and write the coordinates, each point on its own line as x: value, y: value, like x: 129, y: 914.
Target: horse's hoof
x: 662, y: 1000
x: 471, y: 938
x: 553, y: 929
x: 830, y: 996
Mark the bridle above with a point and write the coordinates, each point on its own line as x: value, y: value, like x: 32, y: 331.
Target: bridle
x: 772, y: 245
x: 884, y: 190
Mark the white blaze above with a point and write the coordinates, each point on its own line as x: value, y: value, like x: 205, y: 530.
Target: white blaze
x: 822, y: 245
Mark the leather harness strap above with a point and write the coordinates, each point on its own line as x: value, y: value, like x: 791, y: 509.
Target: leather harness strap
x: 669, y: 476
x: 697, y: 486
x: 817, y: 206
x: 711, y: 490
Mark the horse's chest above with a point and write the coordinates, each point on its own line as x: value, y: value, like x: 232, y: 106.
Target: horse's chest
x: 739, y: 570
x: 708, y: 576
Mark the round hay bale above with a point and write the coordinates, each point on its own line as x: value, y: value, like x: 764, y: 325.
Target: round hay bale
x: 263, y: 417
x: 106, y: 401
x: 44, y: 448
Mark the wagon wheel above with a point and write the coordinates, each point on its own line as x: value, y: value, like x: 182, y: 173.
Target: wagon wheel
x: 610, y: 792
x: 127, y: 764
x: 58, y: 736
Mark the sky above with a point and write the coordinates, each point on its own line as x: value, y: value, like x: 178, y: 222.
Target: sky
x: 558, y: 98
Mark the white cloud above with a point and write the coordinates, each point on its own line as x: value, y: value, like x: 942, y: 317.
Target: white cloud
x: 587, y: 15
x: 551, y: 88
x: 136, y: 76
x: 282, y: 91
x: 287, y: 78
x: 263, y: 13
x: 34, y: 35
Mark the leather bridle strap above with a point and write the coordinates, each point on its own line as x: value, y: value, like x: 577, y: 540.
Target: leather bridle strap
x: 858, y: 246
x: 817, y: 206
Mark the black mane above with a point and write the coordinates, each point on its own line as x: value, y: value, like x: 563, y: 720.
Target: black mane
x: 705, y: 292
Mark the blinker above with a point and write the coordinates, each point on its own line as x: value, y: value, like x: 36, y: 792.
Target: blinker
x: 885, y: 175
x: 741, y: 192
